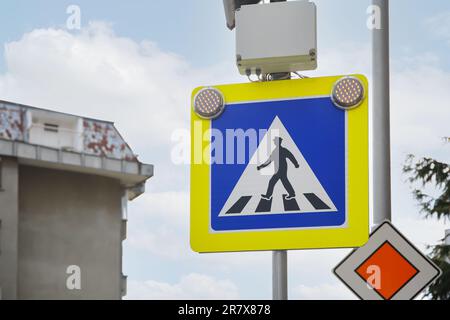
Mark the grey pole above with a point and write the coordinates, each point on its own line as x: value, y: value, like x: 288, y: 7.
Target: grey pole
x: 279, y: 275
x: 381, y: 119
x: 279, y: 258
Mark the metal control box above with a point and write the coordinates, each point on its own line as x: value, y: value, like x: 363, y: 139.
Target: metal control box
x: 276, y: 37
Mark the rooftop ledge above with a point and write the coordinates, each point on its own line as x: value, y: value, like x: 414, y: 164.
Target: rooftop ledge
x: 131, y: 174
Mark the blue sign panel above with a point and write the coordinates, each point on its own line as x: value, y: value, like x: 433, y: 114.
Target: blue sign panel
x: 298, y: 182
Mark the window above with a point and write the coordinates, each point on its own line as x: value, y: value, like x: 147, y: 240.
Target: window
x: 49, y: 127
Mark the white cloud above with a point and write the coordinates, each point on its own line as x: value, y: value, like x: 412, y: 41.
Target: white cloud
x: 160, y: 224
x: 419, y: 110
x: 191, y: 287
x: 146, y: 91
x: 170, y: 207
x: 348, y: 58
x: 322, y: 292
x: 98, y: 74
x: 162, y: 241
x: 425, y: 232
x: 101, y: 75
x: 439, y: 25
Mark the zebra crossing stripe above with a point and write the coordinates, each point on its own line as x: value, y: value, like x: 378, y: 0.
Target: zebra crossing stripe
x: 290, y: 205
x: 239, y: 205
x: 316, y: 202
x: 265, y: 205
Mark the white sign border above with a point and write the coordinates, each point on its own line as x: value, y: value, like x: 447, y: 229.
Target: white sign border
x: 386, y: 232
x: 342, y: 226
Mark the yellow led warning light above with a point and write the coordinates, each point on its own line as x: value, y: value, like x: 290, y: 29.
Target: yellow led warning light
x: 348, y: 93
x: 209, y: 103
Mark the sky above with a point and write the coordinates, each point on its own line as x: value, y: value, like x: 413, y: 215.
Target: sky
x: 137, y: 62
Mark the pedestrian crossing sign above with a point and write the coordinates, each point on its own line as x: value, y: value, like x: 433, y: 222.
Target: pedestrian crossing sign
x: 282, y: 167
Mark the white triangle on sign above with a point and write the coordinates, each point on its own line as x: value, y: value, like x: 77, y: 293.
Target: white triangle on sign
x: 246, y: 198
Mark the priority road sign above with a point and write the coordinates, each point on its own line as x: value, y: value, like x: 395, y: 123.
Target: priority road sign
x: 388, y: 267
x: 282, y: 167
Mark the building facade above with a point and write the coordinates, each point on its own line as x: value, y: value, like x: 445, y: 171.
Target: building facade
x: 64, y: 186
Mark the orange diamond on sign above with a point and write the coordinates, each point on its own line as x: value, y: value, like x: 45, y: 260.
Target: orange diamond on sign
x: 391, y: 268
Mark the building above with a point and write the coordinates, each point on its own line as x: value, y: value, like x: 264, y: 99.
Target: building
x: 64, y: 185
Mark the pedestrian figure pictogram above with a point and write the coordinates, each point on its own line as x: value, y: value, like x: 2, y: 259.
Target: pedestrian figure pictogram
x: 279, y: 157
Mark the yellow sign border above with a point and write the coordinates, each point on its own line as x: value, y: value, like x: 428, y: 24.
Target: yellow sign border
x: 356, y: 232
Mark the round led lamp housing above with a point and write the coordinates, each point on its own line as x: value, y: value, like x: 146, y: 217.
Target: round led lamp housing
x: 209, y: 103
x: 348, y: 93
